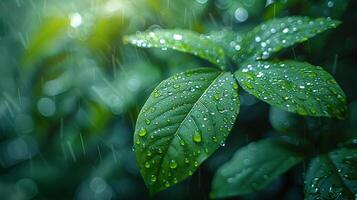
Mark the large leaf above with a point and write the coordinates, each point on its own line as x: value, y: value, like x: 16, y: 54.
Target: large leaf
x: 276, y: 34
x: 183, y: 122
x: 294, y: 86
x: 181, y: 40
x: 255, y: 166
x: 333, y: 176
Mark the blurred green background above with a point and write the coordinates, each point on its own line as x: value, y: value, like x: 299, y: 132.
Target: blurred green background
x: 70, y: 91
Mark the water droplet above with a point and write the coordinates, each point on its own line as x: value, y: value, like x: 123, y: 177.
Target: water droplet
x: 237, y: 47
x: 182, y: 143
x: 235, y: 86
x: 156, y: 94
x: 260, y: 74
x: 142, y: 132
x: 197, y: 136
x: 187, y: 160
x: 285, y: 30
x: 263, y: 44
x: 214, y: 139
x: 147, y: 121
x: 149, y: 153
x: 153, y: 178
x: 195, y: 164
x: 258, y: 39
x: 167, y: 184
x: 177, y: 37
x: 173, y: 164
x: 241, y: 14
x: 216, y: 97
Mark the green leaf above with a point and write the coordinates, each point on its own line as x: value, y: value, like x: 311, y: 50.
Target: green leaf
x: 229, y: 41
x: 255, y: 166
x: 181, y: 40
x: 294, y: 86
x: 272, y: 36
x: 332, y: 176
x: 183, y: 122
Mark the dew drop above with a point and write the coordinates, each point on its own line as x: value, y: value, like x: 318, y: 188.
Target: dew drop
x: 177, y: 37
x: 142, y: 132
x: 195, y: 164
x: 182, y: 143
x: 167, y: 184
x: 214, y: 139
x: 216, y: 97
x: 285, y: 30
x: 197, y: 137
x: 173, y: 164
x: 235, y: 86
x: 153, y: 178
x: 147, y: 165
x: 258, y: 39
x: 187, y: 160
x: 156, y: 94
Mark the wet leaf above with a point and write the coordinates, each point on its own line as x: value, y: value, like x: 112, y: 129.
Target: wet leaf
x: 272, y: 36
x: 294, y: 86
x: 332, y: 176
x: 183, y: 122
x: 181, y: 40
x: 255, y: 166
x: 229, y: 40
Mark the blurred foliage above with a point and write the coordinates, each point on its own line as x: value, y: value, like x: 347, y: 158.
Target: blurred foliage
x: 70, y: 92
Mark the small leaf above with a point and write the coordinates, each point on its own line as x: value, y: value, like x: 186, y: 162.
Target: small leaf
x: 332, y: 176
x: 181, y: 40
x: 255, y: 166
x: 230, y: 41
x: 183, y: 122
x: 272, y: 36
x: 294, y: 86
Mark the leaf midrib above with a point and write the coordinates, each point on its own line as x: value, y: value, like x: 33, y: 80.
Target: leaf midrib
x: 335, y: 169
x: 174, y: 135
